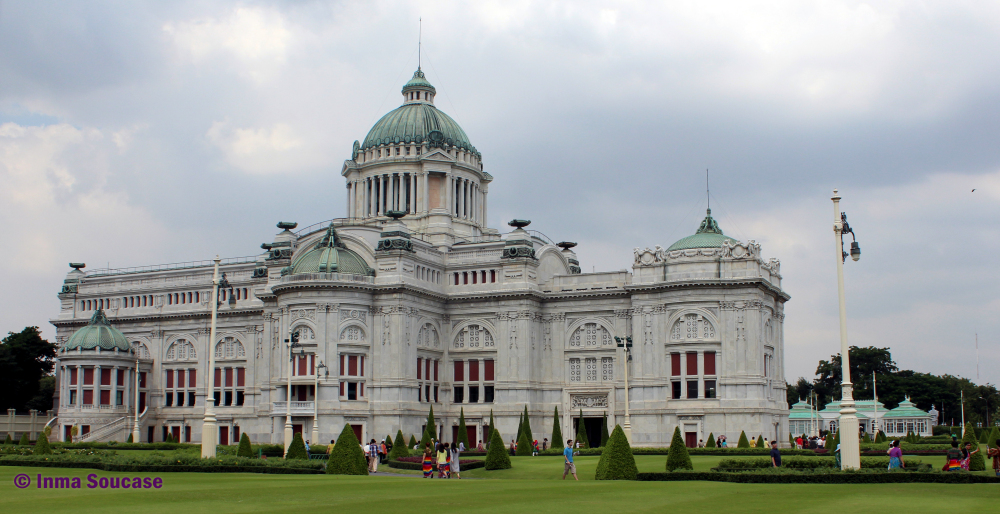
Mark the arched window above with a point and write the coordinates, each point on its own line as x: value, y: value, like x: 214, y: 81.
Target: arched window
x: 230, y: 348
x: 352, y: 334
x: 591, y: 335
x: 181, y: 350
x: 474, y: 336
x: 692, y: 327
x: 141, y: 349
x: 428, y: 336
x: 305, y: 333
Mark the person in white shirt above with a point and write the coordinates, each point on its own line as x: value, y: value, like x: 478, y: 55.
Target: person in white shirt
x: 372, y: 454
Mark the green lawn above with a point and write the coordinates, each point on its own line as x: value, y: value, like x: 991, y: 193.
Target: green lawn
x: 533, y: 485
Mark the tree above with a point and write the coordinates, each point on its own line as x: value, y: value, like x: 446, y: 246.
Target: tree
x: 760, y: 441
x: 244, y: 450
x: 984, y: 438
x: 129, y: 440
x: 25, y: 359
x: 791, y: 440
x: 993, y: 438
x: 8, y: 440
x: 413, y: 441
x: 489, y: 432
x: 463, y: 435
x: 976, y: 463
x: 527, y: 425
x: 399, y: 447
x: 524, y: 446
x: 581, y: 432
x: 617, y: 461
x: 710, y: 442
x: 604, y: 430
x: 347, y: 457
x: 296, y: 450
x: 73, y: 430
x: 520, y: 425
x: 169, y: 438
x: 430, y: 430
x: 743, y: 442
x: 795, y: 392
x: 496, y: 457
x: 678, y: 457
x: 557, y: 437
x: 42, y: 445
x: 832, y: 445
x: 864, y: 362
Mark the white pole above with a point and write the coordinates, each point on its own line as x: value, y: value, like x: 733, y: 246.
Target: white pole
x: 315, y: 428
x: 209, y: 432
x: 627, y: 427
x: 288, y: 404
x: 135, y: 427
x: 850, y: 448
x: 875, y: 398
x: 963, y: 413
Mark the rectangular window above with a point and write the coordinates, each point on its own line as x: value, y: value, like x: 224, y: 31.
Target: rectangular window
x: 361, y: 367
x: 72, y: 376
x: 170, y: 378
x: 105, y: 377
x: 436, y: 375
x: 229, y: 398
x: 180, y: 378
x: 676, y: 390
x: 709, y: 363
x: 488, y: 373
x: 459, y: 394
x: 352, y: 365
x: 180, y: 398
x: 692, y: 389
x: 218, y: 377
x: 361, y: 388
x: 574, y: 370
x: 427, y: 369
x: 303, y: 365
x: 473, y: 394
x: 168, y: 400
x: 239, y: 398
x: 473, y: 371
x: 142, y: 380
x: 229, y: 377
x: 120, y: 398
x: 121, y: 377
x: 427, y: 393
x: 420, y: 364
x: 692, y: 364
x: 436, y: 393
x: 352, y: 390
x: 591, y: 364
x: 341, y: 389
x: 420, y: 394
x: 488, y: 394
x: 710, y: 389
x: 459, y: 372
x: 191, y: 398
x: 88, y: 376
x: 105, y: 397
x: 675, y: 364
x: 241, y: 376
x: 342, y: 366
x: 217, y: 397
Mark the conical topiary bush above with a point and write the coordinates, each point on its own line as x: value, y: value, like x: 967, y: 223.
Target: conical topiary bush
x: 24, y: 439
x: 604, y: 430
x: 984, y: 437
x: 399, y: 447
x: 617, y: 462
x: 488, y: 437
x: 42, y: 446
x: 520, y: 427
x: 976, y: 463
x: 463, y: 434
x: 347, y: 457
x: 244, y: 449
x: 8, y: 440
x: 527, y: 426
x: 677, y: 456
x: 557, y: 437
x: 760, y: 441
x: 993, y: 437
x: 524, y: 446
x: 413, y: 441
x: 791, y: 440
x: 496, y: 457
x: 832, y: 445
x: 743, y: 442
x: 129, y: 440
x: 710, y: 442
x: 430, y: 429
x: 297, y: 450
x: 581, y: 432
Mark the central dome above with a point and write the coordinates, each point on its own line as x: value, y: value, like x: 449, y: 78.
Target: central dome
x: 418, y: 121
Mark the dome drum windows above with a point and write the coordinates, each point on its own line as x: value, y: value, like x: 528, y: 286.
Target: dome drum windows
x: 427, y: 337
x: 352, y: 334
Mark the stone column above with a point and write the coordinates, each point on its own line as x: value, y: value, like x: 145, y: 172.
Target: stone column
x: 348, y: 203
x: 450, y: 194
x: 97, y: 386
x: 413, y: 192
x: 461, y: 198
x: 79, y: 387
x: 425, y: 202
x: 114, y: 387
x: 127, y: 400
x: 393, y: 190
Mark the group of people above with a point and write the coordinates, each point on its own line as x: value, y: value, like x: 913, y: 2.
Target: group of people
x: 959, y: 458
x: 444, y: 457
x: 803, y: 442
x: 376, y: 453
x: 535, y: 447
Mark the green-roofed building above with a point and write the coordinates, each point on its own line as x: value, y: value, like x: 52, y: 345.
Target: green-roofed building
x: 874, y: 415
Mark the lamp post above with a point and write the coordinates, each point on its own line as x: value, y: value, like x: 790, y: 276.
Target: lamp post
x: 315, y: 429
x: 849, y: 444
x: 293, y: 343
x: 209, y: 432
x: 626, y: 344
x: 135, y: 426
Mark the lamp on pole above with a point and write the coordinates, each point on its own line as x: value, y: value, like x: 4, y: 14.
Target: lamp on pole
x: 135, y: 426
x: 849, y: 443
x: 293, y: 343
x: 626, y: 344
x: 315, y: 429
x: 209, y: 432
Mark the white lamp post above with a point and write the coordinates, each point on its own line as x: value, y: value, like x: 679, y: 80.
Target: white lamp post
x: 292, y: 343
x: 626, y: 344
x: 209, y: 430
x: 850, y: 449
x: 135, y: 426
x: 315, y: 428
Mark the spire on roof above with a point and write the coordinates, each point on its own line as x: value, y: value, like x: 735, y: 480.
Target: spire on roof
x: 709, y: 225
x: 99, y: 318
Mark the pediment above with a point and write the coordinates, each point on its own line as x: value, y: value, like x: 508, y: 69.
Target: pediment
x: 437, y: 155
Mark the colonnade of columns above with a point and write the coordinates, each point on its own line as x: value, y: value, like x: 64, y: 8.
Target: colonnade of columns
x: 466, y: 199
x: 114, y: 386
x: 409, y: 192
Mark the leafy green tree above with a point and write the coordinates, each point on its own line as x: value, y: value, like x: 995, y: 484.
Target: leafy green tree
x: 42, y: 446
x: 677, y: 456
x: 710, y: 442
x: 791, y: 440
x: 347, y: 458
x: 581, y: 432
x: 244, y: 450
x: 430, y: 430
x: 25, y: 361
x: 604, y: 430
x: 743, y: 442
x: 496, y: 457
x: 399, y: 447
x: 524, y: 448
x: 617, y: 462
x: 832, y: 445
x: 557, y: 437
x: 463, y: 434
x: 527, y: 425
x: 297, y: 450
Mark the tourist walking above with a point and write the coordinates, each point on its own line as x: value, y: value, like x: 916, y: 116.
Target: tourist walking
x: 373, y: 456
x: 995, y: 453
x: 775, y: 455
x: 329, y: 449
x: 307, y: 448
x: 456, y: 453
x: 569, y: 466
x: 896, y: 456
x: 428, y: 462
x: 513, y: 448
x: 836, y: 456
x: 382, y: 452
x: 442, y: 460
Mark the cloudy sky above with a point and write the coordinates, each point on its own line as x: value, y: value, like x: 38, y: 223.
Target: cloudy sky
x: 136, y: 133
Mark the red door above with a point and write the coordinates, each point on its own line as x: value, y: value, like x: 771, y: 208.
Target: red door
x: 223, y: 435
x: 454, y: 435
x: 691, y: 439
x: 471, y: 433
x: 296, y: 429
x: 357, y: 432
x: 176, y: 431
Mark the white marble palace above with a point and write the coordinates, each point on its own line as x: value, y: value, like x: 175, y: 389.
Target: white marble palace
x: 410, y: 301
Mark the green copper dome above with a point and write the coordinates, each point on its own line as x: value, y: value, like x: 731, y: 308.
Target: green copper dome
x: 329, y: 256
x: 417, y: 121
x: 98, y: 333
x: 709, y: 235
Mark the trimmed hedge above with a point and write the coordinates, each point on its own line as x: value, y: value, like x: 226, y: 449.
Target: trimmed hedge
x: 976, y: 462
x: 42, y: 446
x: 581, y: 432
x: 297, y: 450
x: 831, y: 477
x: 497, y: 457
x: 182, y: 464
x: 617, y: 462
x: 678, y: 457
x: 524, y: 445
x: 111, y: 445
x: 399, y: 447
x: 810, y: 463
x: 557, y: 438
x: 24, y: 439
x: 244, y: 450
x: 743, y: 442
x: 430, y: 429
x: 731, y: 452
x: 463, y: 434
x: 710, y: 442
x: 347, y: 457
x: 604, y: 431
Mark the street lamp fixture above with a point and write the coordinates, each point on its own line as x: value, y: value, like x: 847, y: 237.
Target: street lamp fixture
x: 849, y: 427
x: 626, y: 344
x: 293, y: 343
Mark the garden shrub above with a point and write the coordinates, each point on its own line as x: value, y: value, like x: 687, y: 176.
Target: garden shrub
x: 581, y: 432
x: 617, y: 462
x: 993, y: 437
x: 864, y: 476
x: 557, y: 438
x: 760, y: 441
x: 169, y: 438
x: 497, y: 457
x: 976, y: 463
x: 244, y: 450
x: 413, y: 441
x: 24, y: 439
x: 678, y: 457
x: 710, y: 442
x: 430, y: 429
x: 129, y: 440
x: 42, y: 446
x: 8, y: 440
x: 526, y: 429
x: 399, y: 449
x: 881, y: 463
x: 985, y: 437
x: 347, y: 457
x: 604, y: 430
x: 297, y: 450
x: 488, y: 440
x: 463, y: 434
x: 836, y: 441
x: 159, y: 464
x: 743, y: 442
x: 520, y: 427
x: 524, y: 447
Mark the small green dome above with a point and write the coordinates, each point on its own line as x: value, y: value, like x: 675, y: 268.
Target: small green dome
x: 329, y: 256
x: 98, y: 333
x: 709, y: 235
x: 419, y: 81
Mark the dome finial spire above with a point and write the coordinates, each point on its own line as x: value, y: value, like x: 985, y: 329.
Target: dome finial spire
x: 708, y: 193
x: 420, y: 38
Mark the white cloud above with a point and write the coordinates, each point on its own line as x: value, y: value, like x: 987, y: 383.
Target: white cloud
x: 273, y: 149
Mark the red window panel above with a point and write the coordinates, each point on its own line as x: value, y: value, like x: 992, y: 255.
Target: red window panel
x: 341, y: 364
x: 88, y: 396
x: 709, y: 363
x: 361, y: 368
x: 420, y: 365
x: 436, y: 370
x: 105, y: 397
x: 72, y: 376
x: 312, y: 364
x: 121, y: 377
x: 352, y: 365
x: 303, y: 364
x: 105, y: 377
x: 427, y: 369
x: 473, y: 370
x: 675, y: 364
x: 341, y: 389
x: 170, y: 379
x: 142, y: 379
x: 192, y: 380
x: 475, y: 277
x: 229, y: 377
x: 180, y: 378
x: 692, y: 363
x: 361, y: 388
x: 88, y: 376
x: 241, y: 376
x: 142, y: 402
x: 459, y: 371
x: 488, y: 374
x: 218, y: 377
